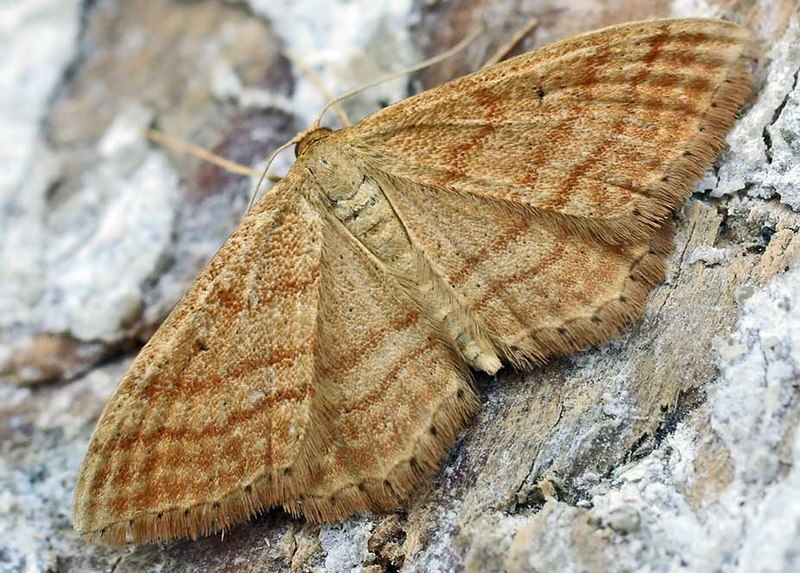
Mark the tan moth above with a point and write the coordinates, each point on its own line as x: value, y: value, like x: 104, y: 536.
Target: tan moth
x: 321, y: 362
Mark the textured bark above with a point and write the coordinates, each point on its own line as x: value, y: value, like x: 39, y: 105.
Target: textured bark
x: 676, y: 445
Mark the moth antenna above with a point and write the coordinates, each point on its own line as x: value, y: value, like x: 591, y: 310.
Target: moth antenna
x: 162, y: 138
x: 415, y: 68
x: 315, y: 79
x: 503, y: 51
x: 265, y: 173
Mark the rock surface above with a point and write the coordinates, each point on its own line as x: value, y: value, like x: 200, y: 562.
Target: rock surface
x: 675, y: 447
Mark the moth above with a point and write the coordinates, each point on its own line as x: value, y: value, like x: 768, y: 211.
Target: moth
x: 322, y: 361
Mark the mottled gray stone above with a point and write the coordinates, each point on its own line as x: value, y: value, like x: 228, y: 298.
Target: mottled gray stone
x: 674, y: 447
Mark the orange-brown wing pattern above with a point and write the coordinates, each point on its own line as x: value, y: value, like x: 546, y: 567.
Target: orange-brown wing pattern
x: 209, y: 423
x: 537, y: 289
x: 396, y: 393
x: 607, y: 131
x: 301, y: 371
x: 293, y: 373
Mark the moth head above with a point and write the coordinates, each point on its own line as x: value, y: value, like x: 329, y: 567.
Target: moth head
x: 309, y: 138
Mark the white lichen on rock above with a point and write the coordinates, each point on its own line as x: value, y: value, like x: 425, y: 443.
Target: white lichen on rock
x: 357, y: 41
x: 38, y: 44
x: 94, y: 278
x: 345, y: 545
x: 644, y: 514
x: 708, y: 255
x: 38, y: 469
x: 764, y: 145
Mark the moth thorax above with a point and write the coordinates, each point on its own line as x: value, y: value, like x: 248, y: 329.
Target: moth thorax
x: 310, y: 138
x: 338, y: 177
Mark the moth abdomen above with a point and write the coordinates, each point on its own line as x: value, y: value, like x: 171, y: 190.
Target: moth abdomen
x: 361, y: 205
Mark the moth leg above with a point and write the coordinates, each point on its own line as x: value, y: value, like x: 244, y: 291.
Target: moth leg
x: 184, y: 146
x: 504, y: 50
